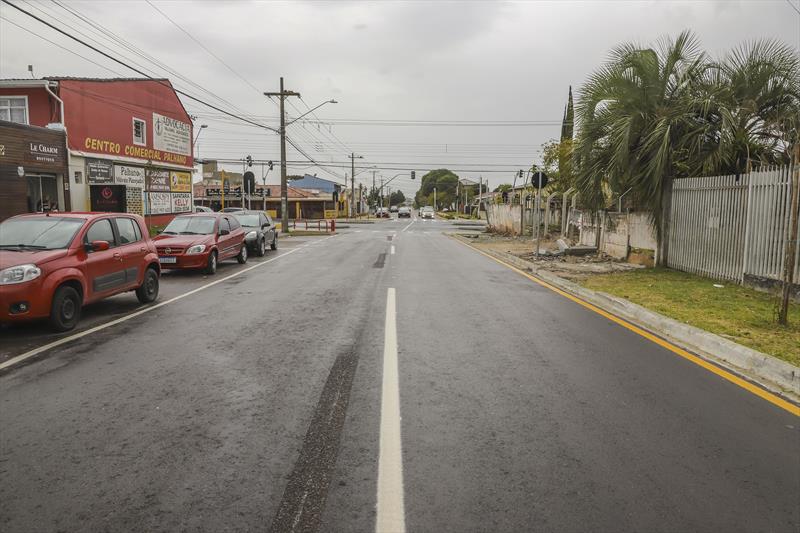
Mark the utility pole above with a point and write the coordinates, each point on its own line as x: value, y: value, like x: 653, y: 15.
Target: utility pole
x: 381, y: 193
x: 353, y: 158
x: 372, y: 195
x: 284, y: 184
x: 434, y: 199
x: 791, y: 239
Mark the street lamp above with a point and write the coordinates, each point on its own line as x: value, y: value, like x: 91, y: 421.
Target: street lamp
x: 202, y: 127
x: 331, y: 101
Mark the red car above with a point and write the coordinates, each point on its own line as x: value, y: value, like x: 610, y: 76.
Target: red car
x: 201, y: 241
x: 53, y: 264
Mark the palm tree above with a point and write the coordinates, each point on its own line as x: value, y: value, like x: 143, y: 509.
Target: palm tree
x: 748, y: 109
x: 634, y: 114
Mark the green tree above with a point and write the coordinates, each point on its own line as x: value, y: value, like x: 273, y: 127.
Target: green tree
x: 397, y: 198
x: 503, y: 187
x: 444, y: 181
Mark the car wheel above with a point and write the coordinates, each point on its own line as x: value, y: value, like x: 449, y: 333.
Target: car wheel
x: 274, y: 244
x: 65, y: 311
x: 148, y: 291
x: 242, y: 257
x: 262, y: 248
x: 211, y: 266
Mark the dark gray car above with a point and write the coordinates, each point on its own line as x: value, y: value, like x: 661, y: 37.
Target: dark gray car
x: 259, y: 231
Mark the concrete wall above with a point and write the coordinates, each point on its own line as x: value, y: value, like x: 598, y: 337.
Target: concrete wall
x: 619, y: 233
x: 503, y: 218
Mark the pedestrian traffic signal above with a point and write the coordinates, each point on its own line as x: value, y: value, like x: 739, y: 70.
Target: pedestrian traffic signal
x: 521, y: 173
x: 249, y: 161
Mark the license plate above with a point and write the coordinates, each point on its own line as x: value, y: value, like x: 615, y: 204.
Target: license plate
x: 167, y: 259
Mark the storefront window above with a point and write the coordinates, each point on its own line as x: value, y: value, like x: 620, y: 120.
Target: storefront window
x: 42, y: 194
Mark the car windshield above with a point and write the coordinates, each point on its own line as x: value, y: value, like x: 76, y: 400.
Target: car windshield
x: 248, y: 220
x: 190, y: 226
x: 427, y: 209
x: 38, y: 233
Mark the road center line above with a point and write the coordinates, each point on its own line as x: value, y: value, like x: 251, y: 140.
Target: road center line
x: 36, y: 351
x: 390, y: 507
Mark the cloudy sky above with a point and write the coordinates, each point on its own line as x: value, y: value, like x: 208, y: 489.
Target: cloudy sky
x: 472, y: 86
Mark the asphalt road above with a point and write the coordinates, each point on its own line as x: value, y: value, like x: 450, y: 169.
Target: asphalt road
x: 265, y: 402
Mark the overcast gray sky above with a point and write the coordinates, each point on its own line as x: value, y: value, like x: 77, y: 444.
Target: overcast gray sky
x: 486, y: 62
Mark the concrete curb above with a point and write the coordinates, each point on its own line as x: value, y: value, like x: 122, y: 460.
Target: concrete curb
x: 773, y: 374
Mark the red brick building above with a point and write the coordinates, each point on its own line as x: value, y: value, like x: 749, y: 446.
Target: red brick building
x: 129, y: 142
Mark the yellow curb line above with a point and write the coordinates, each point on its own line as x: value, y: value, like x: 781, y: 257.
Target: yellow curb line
x: 736, y: 380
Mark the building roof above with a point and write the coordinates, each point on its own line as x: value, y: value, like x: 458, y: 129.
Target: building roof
x: 313, y: 182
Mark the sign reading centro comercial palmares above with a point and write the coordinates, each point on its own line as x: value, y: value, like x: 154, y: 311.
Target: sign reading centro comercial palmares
x: 171, y: 135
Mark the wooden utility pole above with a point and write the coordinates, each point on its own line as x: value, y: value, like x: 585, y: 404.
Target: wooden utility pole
x: 284, y: 184
x: 790, y: 247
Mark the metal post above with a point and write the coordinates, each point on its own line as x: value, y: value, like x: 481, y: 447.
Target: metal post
x: 791, y: 240
x: 434, y: 199
x: 747, y: 222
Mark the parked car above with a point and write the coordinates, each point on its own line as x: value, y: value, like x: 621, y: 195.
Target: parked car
x: 427, y: 212
x: 393, y: 209
x: 202, y: 209
x: 404, y: 212
x: 259, y: 231
x: 52, y: 265
x: 200, y: 241
x: 382, y: 212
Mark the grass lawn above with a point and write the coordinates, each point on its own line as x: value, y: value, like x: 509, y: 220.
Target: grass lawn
x: 737, y: 313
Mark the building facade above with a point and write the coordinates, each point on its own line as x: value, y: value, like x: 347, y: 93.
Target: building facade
x: 33, y: 170
x: 129, y: 141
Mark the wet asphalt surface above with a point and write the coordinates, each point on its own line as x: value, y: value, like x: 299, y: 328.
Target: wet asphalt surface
x: 254, y: 405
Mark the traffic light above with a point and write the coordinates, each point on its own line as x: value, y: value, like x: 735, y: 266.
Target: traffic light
x: 521, y: 173
x: 249, y: 161
x: 269, y: 164
x: 413, y: 174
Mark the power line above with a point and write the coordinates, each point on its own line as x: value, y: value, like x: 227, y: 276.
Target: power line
x: 212, y: 54
x: 165, y: 84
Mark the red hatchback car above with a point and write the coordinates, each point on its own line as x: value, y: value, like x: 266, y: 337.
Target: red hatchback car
x: 53, y: 264
x: 201, y: 241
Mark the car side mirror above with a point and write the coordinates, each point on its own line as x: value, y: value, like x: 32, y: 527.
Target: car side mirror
x: 97, y: 246
x: 224, y: 232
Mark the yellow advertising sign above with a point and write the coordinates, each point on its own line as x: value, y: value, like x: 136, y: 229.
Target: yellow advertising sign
x: 331, y: 213
x: 180, y: 181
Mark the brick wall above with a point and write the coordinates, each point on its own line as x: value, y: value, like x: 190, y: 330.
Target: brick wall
x: 133, y: 198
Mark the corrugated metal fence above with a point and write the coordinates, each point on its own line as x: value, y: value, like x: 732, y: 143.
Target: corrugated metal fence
x: 726, y: 228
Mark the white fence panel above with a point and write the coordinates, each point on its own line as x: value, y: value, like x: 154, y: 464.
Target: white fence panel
x: 728, y: 228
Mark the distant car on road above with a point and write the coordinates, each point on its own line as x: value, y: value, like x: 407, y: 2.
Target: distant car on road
x: 382, y: 212
x: 201, y: 209
x: 393, y: 209
x: 52, y: 265
x: 427, y: 212
x: 259, y: 231
x: 404, y: 212
x: 201, y: 241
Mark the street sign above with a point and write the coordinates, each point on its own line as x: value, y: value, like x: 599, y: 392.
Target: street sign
x: 539, y: 179
x: 249, y: 182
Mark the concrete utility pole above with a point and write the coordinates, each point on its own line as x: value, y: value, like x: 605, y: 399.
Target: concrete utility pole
x: 353, y: 158
x: 284, y: 184
x: 791, y: 240
x: 434, y: 199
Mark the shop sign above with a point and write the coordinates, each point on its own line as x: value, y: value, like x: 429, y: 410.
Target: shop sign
x: 108, y: 198
x: 180, y: 181
x: 131, y: 176
x: 44, y: 153
x: 181, y: 202
x: 159, y: 203
x: 99, y: 171
x: 157, y: 180
x: 171, y: 135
